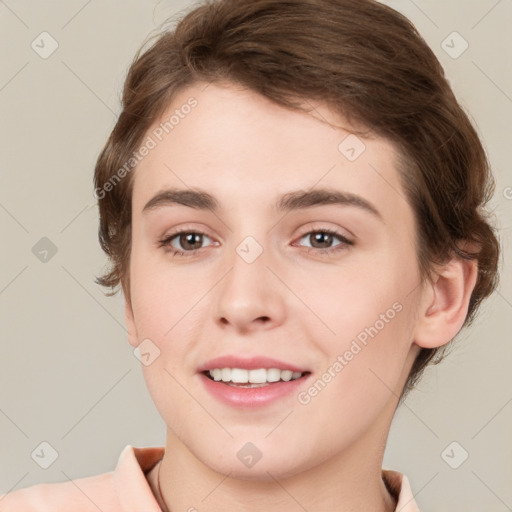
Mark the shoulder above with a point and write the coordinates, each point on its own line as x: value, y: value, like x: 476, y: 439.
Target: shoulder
x: 88, y: 494
x: 124, y: 489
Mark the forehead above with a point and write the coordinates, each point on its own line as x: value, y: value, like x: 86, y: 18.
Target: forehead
x: 246, y: 150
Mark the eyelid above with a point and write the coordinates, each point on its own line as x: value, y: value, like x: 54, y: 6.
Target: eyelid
x: 337, y: 231
x: 186, y: 229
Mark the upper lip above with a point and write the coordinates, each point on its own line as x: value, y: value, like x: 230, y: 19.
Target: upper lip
x: 248, y: 363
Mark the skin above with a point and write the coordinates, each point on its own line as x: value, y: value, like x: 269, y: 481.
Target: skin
x: 291, y: 303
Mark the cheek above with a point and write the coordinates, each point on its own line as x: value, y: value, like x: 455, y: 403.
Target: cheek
x: 365, y: 366
x: 370, y: 349
x: 161, y: 293
x: 164, y: 313
x: 362, y: 301
x: 372, y: 313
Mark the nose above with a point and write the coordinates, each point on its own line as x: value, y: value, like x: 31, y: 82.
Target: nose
x: 250, y: 296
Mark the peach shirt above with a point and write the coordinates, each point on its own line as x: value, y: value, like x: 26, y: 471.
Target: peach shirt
x: 126, y: 489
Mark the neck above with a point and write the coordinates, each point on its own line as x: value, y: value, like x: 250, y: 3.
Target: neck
x: 350, y: 481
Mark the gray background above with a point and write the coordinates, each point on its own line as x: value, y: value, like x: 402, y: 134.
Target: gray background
x: 67, y: 373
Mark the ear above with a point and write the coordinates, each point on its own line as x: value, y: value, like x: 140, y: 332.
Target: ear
x: 445, y: 303
x: 130, y: 321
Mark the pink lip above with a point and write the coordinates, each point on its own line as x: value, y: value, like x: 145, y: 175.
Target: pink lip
x: 251, y: 363
x: 250, y: 398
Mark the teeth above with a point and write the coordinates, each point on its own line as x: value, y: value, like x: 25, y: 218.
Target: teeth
x: 238, y: 376
x: 273, y: 375
x: 258, y: 376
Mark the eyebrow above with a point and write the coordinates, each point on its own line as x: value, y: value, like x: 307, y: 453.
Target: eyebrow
x: 296, y: 200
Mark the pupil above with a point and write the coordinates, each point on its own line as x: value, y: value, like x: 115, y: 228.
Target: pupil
x: 189, y: 239
x: 326, y: 236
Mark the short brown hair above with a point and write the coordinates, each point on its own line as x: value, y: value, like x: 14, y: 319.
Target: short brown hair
x: 361, y: 58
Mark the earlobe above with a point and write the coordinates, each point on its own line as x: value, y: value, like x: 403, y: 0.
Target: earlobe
x: 446, y: 303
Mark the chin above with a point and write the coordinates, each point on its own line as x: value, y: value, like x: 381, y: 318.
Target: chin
x: 261, y: 471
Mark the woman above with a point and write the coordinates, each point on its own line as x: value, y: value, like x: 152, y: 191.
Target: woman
x: 291, y: 201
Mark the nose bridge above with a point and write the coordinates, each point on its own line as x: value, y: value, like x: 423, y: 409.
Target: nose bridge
x: 248, y: 279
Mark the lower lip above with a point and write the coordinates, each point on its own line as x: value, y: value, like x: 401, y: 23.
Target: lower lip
x: 251, y: 397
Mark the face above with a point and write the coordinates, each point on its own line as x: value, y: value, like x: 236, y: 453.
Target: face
x: 267, y: 241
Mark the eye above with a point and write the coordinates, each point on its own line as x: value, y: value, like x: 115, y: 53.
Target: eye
x: 321, y: 241
x: 189, y: 242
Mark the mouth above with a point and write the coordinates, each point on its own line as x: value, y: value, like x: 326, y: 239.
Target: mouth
x: 251, y: 382
x: 254, y: 378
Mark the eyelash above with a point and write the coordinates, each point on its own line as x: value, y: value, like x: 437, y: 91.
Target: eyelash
x: 345, y: 242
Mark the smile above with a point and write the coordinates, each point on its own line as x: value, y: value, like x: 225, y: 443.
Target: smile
x: 252, y: 378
